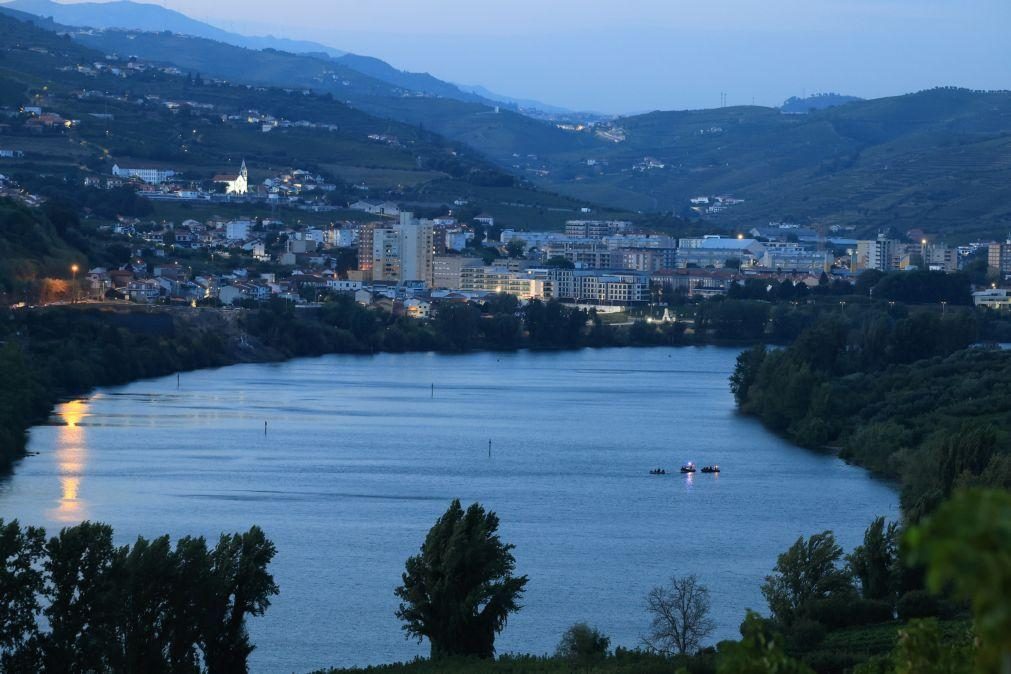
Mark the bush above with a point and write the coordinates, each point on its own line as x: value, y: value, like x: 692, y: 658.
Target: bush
x: 923, y: 604
x: 849, y: 611
x: 583, y: 645
x: 831, y: 662
x: 805, y: 635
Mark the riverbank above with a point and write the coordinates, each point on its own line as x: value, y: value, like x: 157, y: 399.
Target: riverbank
x: 905, y: 398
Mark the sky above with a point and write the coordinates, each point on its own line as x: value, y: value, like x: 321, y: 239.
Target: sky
x: 640, y: 55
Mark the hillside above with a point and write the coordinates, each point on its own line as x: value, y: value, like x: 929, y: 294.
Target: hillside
x: 938, y: 159
x: 132, y: 113
x: 796, y: 105
x: 124, y: 15
x: 407, y: 99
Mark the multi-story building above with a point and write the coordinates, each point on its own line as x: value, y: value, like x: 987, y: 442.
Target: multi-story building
x: 524, y: 285
x: 366, y: 233
x: 403, y: 252
x: 796, y: 258
x: 595, y: 286
x: 152, y: 176
x: 446, y: 269
x: 645, y: 259
x: 595, y: 229
x: 582, y: 254
x: 695, y: 282
x: 940, y: 258
x: 881, y: 253
x: 999, y: 259
x: 715, y: 251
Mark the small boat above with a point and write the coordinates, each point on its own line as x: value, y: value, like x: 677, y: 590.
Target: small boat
x: 711, y: 469
x: 658, y: 471
x: 688, y: 468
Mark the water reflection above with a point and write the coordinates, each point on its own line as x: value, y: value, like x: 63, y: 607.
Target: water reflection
x: 71, y: 457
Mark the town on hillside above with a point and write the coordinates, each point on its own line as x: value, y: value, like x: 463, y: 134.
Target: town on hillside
x: 406, y: 264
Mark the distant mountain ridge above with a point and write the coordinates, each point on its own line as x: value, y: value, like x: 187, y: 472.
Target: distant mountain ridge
x: 146, y: 17
x: 125, y: 14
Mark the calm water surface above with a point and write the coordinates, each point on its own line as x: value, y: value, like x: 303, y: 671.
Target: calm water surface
x: 360, y: 459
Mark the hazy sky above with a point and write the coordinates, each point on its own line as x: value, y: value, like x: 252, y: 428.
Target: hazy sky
x: 655, y: 54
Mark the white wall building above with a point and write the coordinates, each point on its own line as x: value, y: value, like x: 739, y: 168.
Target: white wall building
x: 152, y: 176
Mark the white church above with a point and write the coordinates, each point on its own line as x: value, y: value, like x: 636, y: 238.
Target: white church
x: 235, y: 183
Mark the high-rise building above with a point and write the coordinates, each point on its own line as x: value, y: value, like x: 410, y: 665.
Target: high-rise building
x: 881, y: 253
x: 403, y: 252
x: 999, y: 259
x: 365, y: 257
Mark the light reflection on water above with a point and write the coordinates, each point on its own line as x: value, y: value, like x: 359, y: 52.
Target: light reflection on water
x: 360, y: 459
x: 71, y: 457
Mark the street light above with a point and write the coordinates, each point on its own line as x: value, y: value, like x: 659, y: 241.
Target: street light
x: 73, y: 270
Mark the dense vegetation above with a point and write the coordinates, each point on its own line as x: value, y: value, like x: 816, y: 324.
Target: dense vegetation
x: 898, y: 392
x: 148, y: 607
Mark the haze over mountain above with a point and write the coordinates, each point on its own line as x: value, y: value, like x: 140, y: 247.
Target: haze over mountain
x: 128, y: 15
x: 656, y: 54
x: 145, y: 16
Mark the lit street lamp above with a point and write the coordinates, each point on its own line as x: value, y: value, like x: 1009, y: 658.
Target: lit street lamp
x: 73, y: 270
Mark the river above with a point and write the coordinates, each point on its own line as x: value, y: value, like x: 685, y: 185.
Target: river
x: 361, y: 455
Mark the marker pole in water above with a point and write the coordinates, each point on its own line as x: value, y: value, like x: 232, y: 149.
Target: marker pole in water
x: 177, y: 380
x: 264, y: 427
x: 433, y: 390
x: 489, y: 449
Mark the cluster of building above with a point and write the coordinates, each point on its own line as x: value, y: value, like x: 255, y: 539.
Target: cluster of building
x: 602, y: 263
x: 295, y: 187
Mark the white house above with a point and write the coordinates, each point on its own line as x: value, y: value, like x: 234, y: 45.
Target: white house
x: 416, y: 308
x: 992, y: 298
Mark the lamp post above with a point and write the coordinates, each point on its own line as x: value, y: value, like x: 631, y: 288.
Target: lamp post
x: 73, y: 290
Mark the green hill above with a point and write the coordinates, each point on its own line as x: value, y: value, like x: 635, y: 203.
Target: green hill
x: 938, y: 159
x: 406, y: 97
x: 134, y: 114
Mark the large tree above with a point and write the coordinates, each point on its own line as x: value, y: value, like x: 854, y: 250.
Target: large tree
x: 875, y: 563
x: 809, y: 571
x: 460, y: 589
x: 21, y: 584
x: 679, y: 617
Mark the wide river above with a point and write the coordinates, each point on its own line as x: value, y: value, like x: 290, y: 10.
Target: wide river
x: 360, y: 458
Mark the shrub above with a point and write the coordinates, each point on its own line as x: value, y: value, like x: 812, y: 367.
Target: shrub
x: 841, y: 611
x: 806, y: 634
x: 923, y: 604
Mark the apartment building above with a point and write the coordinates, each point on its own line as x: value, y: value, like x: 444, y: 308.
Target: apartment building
x: 526, y: 286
